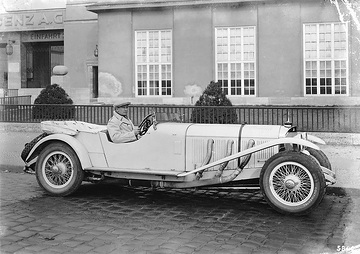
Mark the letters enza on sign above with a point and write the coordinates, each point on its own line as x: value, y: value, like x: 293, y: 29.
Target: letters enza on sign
x: 31, y: 19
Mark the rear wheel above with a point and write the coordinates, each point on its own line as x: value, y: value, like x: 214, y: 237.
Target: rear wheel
x: 292, y: 182
x: 58, y: 170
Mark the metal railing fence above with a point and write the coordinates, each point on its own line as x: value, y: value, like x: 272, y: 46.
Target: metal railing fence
x: 15, y: 100
x: 12, y: 92
x: 343, y: 119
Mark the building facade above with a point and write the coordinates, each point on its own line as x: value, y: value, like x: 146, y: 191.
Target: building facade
x: 35, y: 38
x: 297, y: 52
x: 31, y: 44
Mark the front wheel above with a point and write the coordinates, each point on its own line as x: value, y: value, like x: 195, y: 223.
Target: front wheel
x: 58, y: 170
x: 292, y: 183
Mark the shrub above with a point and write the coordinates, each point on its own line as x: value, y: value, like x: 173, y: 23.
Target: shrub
x: 53, y: 94
x: 221, y: 110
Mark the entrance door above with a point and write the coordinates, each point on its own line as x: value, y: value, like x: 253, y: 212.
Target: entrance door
x: 3, y: 70
x: 95, y: 90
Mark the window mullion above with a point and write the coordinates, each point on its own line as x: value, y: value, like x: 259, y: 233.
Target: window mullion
x: 318, y: 76
x: 332, y: 59
x: 305, y: 59
x: 216, y: 56
x: 159, y: 64
x: 159, y: 80
x: 229, y: 61
x: 347, y: 58
x: 254, y: 61
x: 136, y: 66
x: 242, y: 61
x: 147, y: 64
x: 242, y: 71
x: 318, y: 60
x: 332, y: 77
x: 332, y: 41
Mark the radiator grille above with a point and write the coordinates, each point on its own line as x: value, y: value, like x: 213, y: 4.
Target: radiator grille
x: 262, y: 156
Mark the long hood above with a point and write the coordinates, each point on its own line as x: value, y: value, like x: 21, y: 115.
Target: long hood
x: 198, y: 135
x: 236, y: 130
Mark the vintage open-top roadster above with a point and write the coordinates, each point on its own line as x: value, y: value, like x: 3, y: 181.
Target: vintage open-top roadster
x: 291, y: 171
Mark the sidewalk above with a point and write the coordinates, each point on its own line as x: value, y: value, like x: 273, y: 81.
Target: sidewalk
x: 20, y: 127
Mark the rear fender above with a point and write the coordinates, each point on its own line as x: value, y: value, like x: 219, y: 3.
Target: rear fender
x: 79, y: 149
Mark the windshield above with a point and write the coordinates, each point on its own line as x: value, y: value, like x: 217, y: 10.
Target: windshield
x: 167, y: 117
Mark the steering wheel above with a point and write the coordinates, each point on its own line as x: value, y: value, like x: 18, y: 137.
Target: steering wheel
x: 145, y: 124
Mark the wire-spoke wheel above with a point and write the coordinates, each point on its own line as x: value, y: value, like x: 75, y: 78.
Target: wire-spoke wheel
x: 292, y: 182
x: 58, y: 170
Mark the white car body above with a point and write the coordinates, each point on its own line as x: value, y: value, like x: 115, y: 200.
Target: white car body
x: 173, y: 154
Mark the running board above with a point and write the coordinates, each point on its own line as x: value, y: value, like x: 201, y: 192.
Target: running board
x: 145, y: 174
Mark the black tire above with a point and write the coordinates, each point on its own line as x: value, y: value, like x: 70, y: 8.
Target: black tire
x: 320, y: 157
x: 28, y: 146
x: 297, y: 189
x: 58, y: 170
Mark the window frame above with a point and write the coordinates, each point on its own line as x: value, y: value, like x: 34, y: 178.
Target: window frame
x: 321, y: 63
x: 242, y: 62
x: 159, y: 64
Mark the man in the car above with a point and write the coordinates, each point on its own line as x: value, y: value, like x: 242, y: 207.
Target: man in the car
x: 120, y: 127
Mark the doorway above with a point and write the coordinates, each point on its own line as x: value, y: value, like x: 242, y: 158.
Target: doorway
x: 3, y: 70
x: 95, y: 82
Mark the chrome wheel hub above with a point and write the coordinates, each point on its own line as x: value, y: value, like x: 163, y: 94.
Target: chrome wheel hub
x: 291, y: 183
x: 57, y: 169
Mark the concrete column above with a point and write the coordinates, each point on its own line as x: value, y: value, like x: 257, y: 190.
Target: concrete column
x: 14, y: 66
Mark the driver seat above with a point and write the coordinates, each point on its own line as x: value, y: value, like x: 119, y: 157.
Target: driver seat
x: 108, y: 135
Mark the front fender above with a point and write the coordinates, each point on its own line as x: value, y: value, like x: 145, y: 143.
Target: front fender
x: 79, y: 149
x: 254, y: 149
x: 310, y: 138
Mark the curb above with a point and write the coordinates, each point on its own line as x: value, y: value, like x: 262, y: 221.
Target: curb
x: 338, y: 138
x: 20, y: 127
x: 329, y: 138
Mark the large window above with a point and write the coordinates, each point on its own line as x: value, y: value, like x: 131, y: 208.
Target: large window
x: 235, y: 60
x: 326, y: 59
x: 40, y: 58
x: 153, y: 63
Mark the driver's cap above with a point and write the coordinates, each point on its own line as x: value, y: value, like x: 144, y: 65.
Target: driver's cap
x: 121, y: 104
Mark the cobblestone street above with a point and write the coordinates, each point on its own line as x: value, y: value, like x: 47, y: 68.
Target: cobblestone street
x: 179, y: 126
x: 106, y: 218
